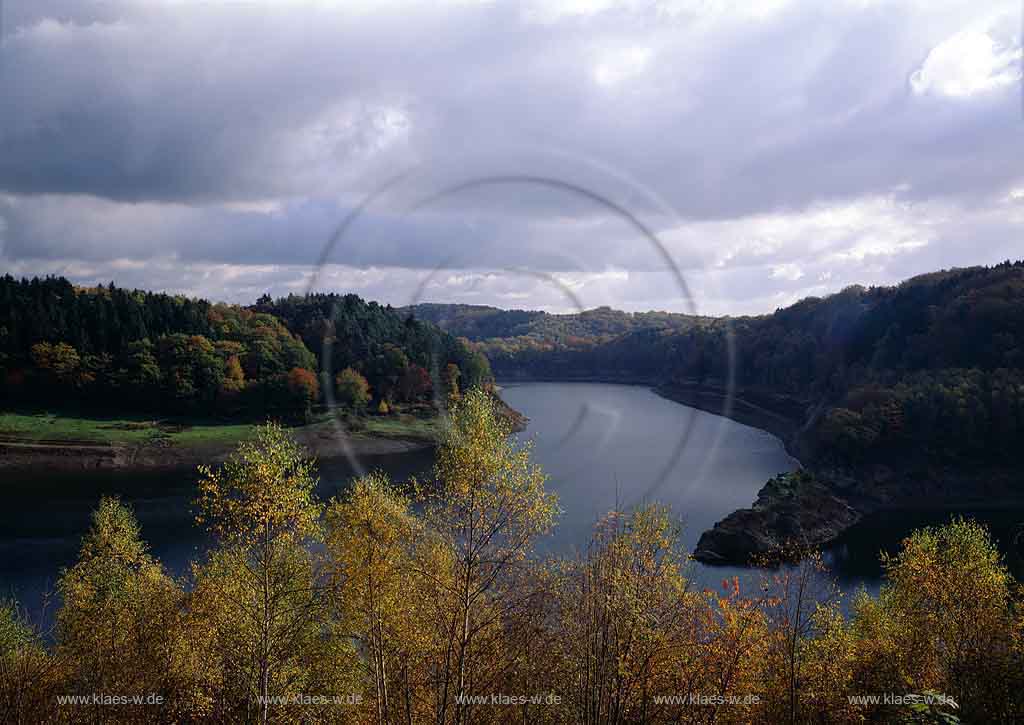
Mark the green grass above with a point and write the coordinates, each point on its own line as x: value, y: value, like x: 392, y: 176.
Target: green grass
x: 48, y: 427
x: 227, y: 433
x: 402, y: 426
x: 37, y: 427
x: 34, y: 427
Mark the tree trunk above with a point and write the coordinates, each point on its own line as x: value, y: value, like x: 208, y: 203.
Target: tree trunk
x: 265, y: 644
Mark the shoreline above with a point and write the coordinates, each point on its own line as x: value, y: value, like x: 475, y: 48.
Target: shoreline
x: 326, y: 440
x: 824, y: 503
x: 605, y: 379
x: 820, y: 503
x: 756, y: 414
x: 322, y: 440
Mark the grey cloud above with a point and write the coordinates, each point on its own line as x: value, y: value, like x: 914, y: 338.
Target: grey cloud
x: 91, y: 229
x: 134, y: 131
x: 237, y: 101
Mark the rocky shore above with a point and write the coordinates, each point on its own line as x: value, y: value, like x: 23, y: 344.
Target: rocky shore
x: 779, y: 415
x: 789, y: 508
x: 797, y: 507
x: 818, y: 503
x: 516, y: 420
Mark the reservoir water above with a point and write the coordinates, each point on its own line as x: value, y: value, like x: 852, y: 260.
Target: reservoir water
x: 602, y: 446
x: 609, y: 446
x: 45, y: 516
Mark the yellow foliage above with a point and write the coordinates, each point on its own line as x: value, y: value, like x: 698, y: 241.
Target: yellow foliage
x: 408, y: 600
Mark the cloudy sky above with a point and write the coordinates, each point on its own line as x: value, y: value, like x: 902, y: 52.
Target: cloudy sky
x: 517, y: 154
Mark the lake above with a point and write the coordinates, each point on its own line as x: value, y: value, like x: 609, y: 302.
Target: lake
x: 602, y: 446
x: 605, y: 446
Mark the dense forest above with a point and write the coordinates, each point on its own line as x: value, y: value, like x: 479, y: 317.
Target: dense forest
x: 545, y: 330
x: 935, y: 364
x: 114, y: 349
x: 429, y: 603
x: 345, y: 331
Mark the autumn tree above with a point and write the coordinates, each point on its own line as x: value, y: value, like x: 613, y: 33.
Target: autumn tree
x: 371, y: 540
x: 630, y: 630
x: 414, y: 383
x: 234, y: 377
x: 304, y: 390
x: 259, y: 589
x: 118, y: 620
x: 944, y: 622
x: 352, y: 390
x: 29, y: 674
x: 801, y: 595
x: 828, y: 670
x: 489, y: 504
x: 60, y: 362
x: 451, y: 380
x: 623, y: 607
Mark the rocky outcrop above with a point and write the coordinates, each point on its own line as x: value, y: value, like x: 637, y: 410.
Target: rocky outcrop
x: 815, y: 506
x: 517, y: 421
x: 790, y: 508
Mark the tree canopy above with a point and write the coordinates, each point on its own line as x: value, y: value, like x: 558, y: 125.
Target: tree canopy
x: 112, y: 348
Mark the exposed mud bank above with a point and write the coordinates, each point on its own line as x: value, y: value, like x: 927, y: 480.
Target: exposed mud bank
x: 324, y: 443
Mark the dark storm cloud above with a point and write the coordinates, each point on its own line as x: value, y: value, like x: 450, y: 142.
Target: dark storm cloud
x: 237, y: 100
x: 242, y: 133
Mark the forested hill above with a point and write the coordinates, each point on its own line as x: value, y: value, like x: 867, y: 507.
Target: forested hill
x: 118, y: 349
x: 542, y: 329
x: 933, y: 364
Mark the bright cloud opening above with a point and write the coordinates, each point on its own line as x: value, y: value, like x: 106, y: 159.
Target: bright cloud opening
x: 967, y: 63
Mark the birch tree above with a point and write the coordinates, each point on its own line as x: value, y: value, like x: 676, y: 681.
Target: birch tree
x: 489, y: 505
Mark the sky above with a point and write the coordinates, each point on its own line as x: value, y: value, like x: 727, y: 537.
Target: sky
x: 711, y: 156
